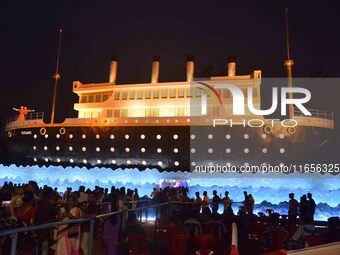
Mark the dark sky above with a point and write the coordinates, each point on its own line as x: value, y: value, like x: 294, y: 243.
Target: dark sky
x: 253, y: 31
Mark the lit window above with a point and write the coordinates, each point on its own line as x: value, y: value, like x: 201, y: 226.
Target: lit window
x: 282, y: 150
x: 210, y: 136
x: 228, y: 136
x: 112, y: 149
x: 58, y: 136
x: 246, y: 136
x: 155, y: 93
x: 113, y: 161
x: 84, y: 161
x: 147, y: 94
x: 282, y: 136
x: 176, y: 163
x: 132, y: 95
x: 176, y: 150
x: 246, y: 150
x: 116, y: 95
x: 46, y: 159
x: 159, y: 150
x: 70, y: 136
x: 35, y: 159
x: 83, y: 136
x: 127, y: 149
x: 70, y: 148
x: 97, y: 149
x: 46, y: 136
x: 158, y: 137
x: 193, y: 150
x: 83, y: 149
x: 193, y: 163
x: 264, y: 136
x: 58, y: 160
x: 142, y: 136
x: 34, y: 148
x: 264, y: 150
x: 127, y: 137
x: 57, y: 148
x: 210, y: 150
x: 45, y: 148
x: 164, y: 93
x: 140, y: 94
x: 99, y: 161
x: 181, y: 93
x: 142, y: 149
x: 175, y: 137
x: 124, y: 95
x: 128, y: 162
x: 112, y: 137
x: 160, y: 163
x: 35, y: 136
x: 143, y: 162
x: 192, y: 137
x: 228, y: 150
x: 172, y: 93
x: 97, y: 136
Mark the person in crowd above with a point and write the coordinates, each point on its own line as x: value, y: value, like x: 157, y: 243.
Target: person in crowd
x: 251, y: 204
x: 293, y: 209
x: 304, y: 209
x: 83, y: 196
x: 228, y: 210
x: 198, y: 202
x: 215, y: 202
x: 90, y: 211
x: 311, y: 205
x: 206, y: 200
x: 246, y: 201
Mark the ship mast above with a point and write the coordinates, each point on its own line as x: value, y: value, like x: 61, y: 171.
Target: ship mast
x: 289, y: 64
x: 56, y: 78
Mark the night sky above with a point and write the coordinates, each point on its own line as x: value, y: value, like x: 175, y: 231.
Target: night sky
x: 253, y: 31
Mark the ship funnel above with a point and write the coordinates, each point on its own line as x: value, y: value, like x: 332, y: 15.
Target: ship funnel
x: 232, y: 66
x: 113, y: 70
x: 190, y: 68
x: 155, y: 69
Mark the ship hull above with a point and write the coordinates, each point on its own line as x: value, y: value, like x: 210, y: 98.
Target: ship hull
x: 167, y: 148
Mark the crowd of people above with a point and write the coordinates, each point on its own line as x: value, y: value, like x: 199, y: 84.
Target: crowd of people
x: 28, y: 204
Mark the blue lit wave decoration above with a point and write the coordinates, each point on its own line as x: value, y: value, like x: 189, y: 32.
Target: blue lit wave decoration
x: 268, y: 192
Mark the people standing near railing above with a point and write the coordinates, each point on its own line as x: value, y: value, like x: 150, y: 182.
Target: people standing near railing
x: 206, y: 200
x: 215, y: 202
x: 227, y: 204
x: 198, y: 202
x: 46, y: 213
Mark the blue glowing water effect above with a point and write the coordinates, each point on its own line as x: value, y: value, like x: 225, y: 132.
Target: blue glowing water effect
x: 268, y: 192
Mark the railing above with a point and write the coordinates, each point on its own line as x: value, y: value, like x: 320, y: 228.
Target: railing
x: 28, y: 116
x: 316, y: 113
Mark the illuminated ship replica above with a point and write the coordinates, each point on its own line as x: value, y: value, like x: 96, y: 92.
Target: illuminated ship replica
x: 164, y: 125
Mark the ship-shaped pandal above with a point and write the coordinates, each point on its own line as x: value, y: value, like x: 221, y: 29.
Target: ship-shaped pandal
x: 168, y: 125
x: 157, y: 125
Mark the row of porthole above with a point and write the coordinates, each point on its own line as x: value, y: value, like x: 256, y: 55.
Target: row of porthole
x: 126, y: 136
x: 228, y: 164
x: 128, y: 162
x: 228, y: 136
x: 245, y: 150
x: 112, y: 149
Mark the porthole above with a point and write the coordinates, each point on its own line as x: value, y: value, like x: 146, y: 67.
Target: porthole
x: 42, y: 131
x: 127, y: 149
x: 127, y: 136
x: 227, y: 136
x: 97, y: 149
x: 70, y: 136
x: 264, y: 136
x: 175, y: 136
x: 83, y: 136
x: 112, y: 137
x: 282, y: 136
x: 112, y: 149
x: 46, y: 159
x: 142, y: 149
x: 83, y: 148
x: 62, y: 131
x: 210, y: 150
x: 193, y: 163
x: 142, y: 136
x: 70, y: 148
x: 57, y: 148
x: 45, y: 148
x: 159, y: 150
x: 175, y: 150
x: 268, y: 130
x: 35, y: 159
x: 97, y: 136
x: 159, y: 137
x: 35, y: 136
x: 228, y: 150
x: 210, y: 136
x: 246, y: 150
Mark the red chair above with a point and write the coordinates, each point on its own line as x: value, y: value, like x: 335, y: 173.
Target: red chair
x: 205, y: 242
x: 135, y: 243
x: 181, y: 244
x: 172, y: 233
x: 313, y: 240
x: 278, y: 239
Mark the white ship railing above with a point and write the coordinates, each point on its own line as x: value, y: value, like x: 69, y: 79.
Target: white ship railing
x: 316, y: 113
x: 28, y: 116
